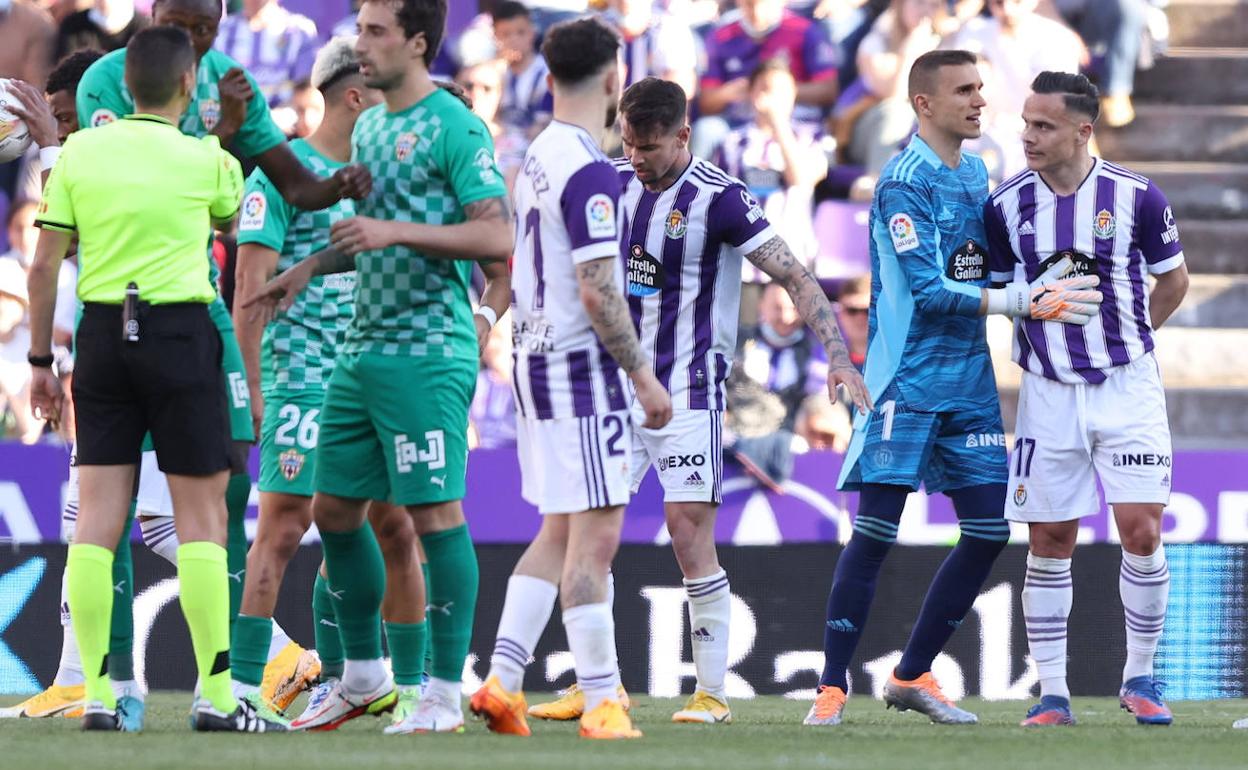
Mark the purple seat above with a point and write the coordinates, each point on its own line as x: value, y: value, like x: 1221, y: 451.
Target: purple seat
x: 841, y: 229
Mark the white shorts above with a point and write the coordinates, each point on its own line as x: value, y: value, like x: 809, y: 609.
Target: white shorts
x: 687, y: 453
x: 153, y: 498
x: 1068, y: 435
x: 574, y: 464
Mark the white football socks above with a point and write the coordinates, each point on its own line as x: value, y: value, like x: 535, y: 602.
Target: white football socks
x: 591, y: 637
x: 710, y: 610
x: 526, y: 611
x: 1144, y: 584
x: 362, y: 677
x: 69, y: 670
x: 1048, y: 593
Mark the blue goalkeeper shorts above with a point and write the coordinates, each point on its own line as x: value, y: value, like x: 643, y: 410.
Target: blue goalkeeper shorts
x: 941, y: 450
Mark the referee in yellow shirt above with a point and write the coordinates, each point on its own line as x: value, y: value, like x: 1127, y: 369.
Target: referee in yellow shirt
x: 142, y: 198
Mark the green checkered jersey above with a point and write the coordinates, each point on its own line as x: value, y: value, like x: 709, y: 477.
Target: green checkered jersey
x: 428, y: 162
x: 298, y: 348
x: 102, y: 97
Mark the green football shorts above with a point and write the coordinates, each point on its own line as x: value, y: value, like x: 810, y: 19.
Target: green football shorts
x: 288, y: 438
x: 395, y: 428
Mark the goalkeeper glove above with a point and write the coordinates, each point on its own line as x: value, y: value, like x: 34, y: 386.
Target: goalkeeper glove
x: 1051, y: 297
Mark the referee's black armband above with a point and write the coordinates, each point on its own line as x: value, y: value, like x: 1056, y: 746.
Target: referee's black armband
x: 43, y: 362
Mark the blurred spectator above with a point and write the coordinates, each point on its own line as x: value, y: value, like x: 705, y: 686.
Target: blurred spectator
x: 656, y: 43
x: 526, y: 103
x: 346, y: 26
x: 276, y: 46
x: 492, y: 416
x: 483, y: 81
x: 27, y: 35
x: 777, y: 393
x: 779, y: 162
x: 1017, y: 43
x: 782, y: 354
x: 875, y: 117
x: 853, y: 308
x: 763, y: 30
x: 22, y: 232
x: 106, y: 26
x: 15, y: 417
x: 1113, y: 30
x: 309, y: 108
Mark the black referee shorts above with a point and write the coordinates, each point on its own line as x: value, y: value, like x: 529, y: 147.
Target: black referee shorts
x: 170, y: 382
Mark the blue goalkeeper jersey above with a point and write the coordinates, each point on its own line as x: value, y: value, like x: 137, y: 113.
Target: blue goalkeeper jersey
x: 928, y: 264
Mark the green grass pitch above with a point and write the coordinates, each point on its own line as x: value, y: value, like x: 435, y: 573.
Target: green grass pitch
x: 767, y: 733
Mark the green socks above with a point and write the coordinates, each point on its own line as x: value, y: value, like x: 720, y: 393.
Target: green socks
x: 249, y: 648
x: 452, y: 592
x: 90, y: 572
x: 206, y: 605
x: 357, y: 577
x: 328, y: 640
x: 121, y: 633
x: 407, y: 651
x: 236, y: 494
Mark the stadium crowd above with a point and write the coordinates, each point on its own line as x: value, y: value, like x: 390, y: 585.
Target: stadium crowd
x: 803, y: 100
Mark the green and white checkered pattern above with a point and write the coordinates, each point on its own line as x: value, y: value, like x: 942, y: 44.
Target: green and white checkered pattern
x: 426, y: 163
x: 298, y: 348
x: 102, y: 97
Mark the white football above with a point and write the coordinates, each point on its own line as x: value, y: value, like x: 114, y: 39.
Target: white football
x: 14, y: 138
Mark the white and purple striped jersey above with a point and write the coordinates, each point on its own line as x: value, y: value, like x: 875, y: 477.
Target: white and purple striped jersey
x: 1118, y: 224
x: 277, y: 55
x: 684, y: 248
x: 526, y: 98
x: 567, y: 212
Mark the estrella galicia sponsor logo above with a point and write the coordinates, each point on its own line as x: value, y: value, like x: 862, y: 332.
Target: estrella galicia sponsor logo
x: 681, y: 461
x: 645, y: 273
x: 967, y: 263
x: 1141, y: 459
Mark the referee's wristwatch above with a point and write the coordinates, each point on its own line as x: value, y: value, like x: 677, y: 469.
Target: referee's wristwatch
x: 43, y: 362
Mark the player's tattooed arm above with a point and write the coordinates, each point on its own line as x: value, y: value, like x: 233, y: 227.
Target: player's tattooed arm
x: 776, y: 260
x: 608, y: 314
x: 486, y: 235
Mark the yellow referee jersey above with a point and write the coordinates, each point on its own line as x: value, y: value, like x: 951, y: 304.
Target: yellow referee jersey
x: 141, y: 196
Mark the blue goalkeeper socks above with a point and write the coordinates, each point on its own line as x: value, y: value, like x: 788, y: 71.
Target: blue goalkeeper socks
x: 853, y: 583
x: 960, y: 578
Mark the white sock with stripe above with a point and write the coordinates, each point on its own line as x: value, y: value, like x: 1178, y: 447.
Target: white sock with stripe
x: 526, y: 611
x: 710, y: 610
x: 1048, y: 593
x: 1144, y: 585
x: 591, y: 637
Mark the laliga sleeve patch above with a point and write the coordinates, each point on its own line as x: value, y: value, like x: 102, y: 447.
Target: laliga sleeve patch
x: 901, y: 230
x: 102, y: 117
x: 600, y: 216
x: 254, y: 207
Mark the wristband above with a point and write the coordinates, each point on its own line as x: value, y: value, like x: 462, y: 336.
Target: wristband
x: 48, y: 156
x: 43, y: 362
x: 1011, y: 301
x: 487, y: 312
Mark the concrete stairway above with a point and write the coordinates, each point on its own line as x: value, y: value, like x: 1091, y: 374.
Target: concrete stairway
x: 1191, y: 137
